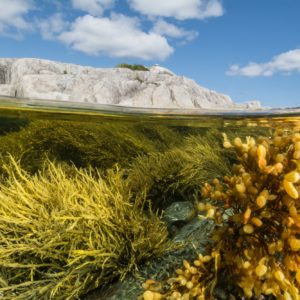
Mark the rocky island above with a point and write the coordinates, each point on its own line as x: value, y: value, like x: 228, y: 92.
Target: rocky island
x: 157, y: 87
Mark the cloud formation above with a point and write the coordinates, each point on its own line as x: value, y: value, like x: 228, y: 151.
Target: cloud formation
x: 93, y: 7
x: 167, y: 29
x: 52, y: 26
x: 286, y: 62
x: 12, y: 16
x: 179, y: 9
x: 117, y: 36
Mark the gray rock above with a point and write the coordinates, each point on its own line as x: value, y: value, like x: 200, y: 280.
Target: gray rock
x: 156, y: 88
x: 250, y: 105
x: 5, y: 70
x: 179, y: 212
x: 188, y: 232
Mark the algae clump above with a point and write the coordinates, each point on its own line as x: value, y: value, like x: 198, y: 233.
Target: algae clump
x: 256, y: 241
x: 64, y: 233
x: 101, y: 145
x: 177, y: 174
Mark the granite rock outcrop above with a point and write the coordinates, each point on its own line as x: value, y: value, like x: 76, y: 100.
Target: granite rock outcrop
x: 156, y: 88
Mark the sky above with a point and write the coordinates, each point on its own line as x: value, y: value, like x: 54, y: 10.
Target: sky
x: 247, y: 49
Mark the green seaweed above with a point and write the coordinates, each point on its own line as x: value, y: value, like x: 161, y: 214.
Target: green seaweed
x: 11, y: 124
x: 63, y: 235
x: 178, y: 173
x: 101, y: 145
x: 76, y: 199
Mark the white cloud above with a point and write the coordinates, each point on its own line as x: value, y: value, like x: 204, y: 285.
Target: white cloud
x: 167, y: 29
x: 117, y: 36
x: 12, y: 13
x: 286, y: 62
x: 179, y: 9
x: 52, y: 26
x: 93, y: 7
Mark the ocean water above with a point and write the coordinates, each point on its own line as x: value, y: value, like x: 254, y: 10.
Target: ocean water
x: 132, y: 164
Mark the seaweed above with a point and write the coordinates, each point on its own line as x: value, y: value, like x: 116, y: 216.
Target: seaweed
x: 64, y: 233
x: 256, y: 240
x: 11, y: 124
x: 178, y: 173
x: 101, y: 145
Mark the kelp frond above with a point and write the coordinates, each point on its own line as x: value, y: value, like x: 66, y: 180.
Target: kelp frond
x: 62, y: 235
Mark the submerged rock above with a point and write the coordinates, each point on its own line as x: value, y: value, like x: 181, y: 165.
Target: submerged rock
x: 156, y: 88
x: 188, y: 231
x: 179, y: 212
x: 177, y: 215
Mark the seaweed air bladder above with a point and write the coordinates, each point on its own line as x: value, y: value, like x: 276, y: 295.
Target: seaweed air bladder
x: 256, y: 240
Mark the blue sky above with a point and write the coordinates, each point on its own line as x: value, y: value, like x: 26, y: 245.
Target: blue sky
x: 248, y: 49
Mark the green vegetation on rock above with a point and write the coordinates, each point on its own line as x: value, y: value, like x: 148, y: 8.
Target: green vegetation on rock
x: 101, y: 145
x: 64, y: 233
x: 178, y: 173
x: 77, y: 198
x: 133, y: 67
